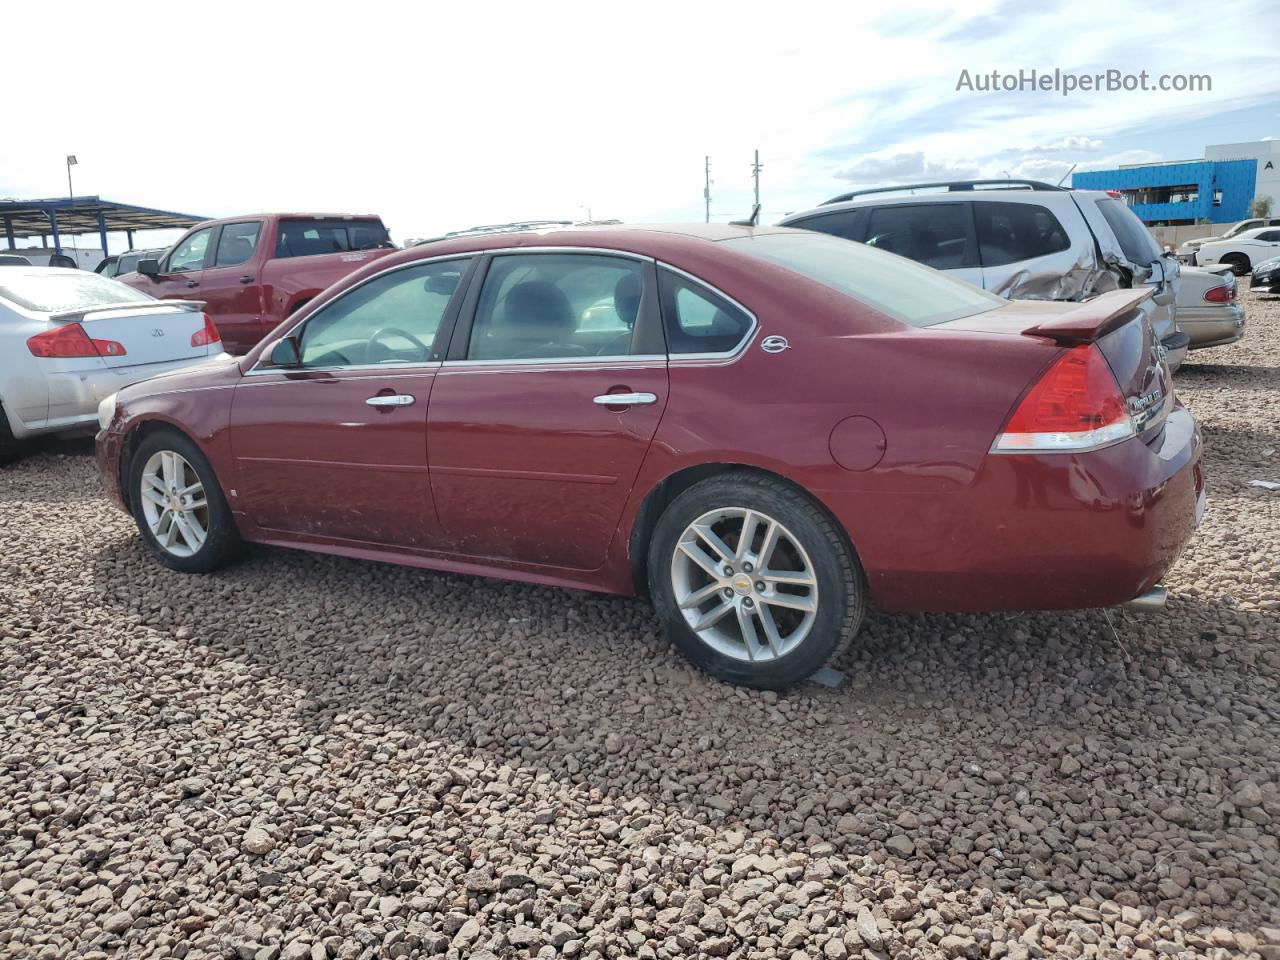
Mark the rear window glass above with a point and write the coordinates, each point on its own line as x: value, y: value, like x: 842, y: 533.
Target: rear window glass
x: 55, y: 292
x: 1135, y: 239
x: 897, y: 287
x: 307, y: 238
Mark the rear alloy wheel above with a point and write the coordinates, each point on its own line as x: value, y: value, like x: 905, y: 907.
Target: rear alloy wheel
x: 178, y: 505
x: 1238, y: 263
x: 756, y: 584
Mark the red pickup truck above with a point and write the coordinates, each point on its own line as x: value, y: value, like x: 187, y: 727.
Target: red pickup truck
x: 255, y: 271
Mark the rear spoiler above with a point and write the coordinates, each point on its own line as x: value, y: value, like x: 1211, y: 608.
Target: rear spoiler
x: 1093, y: 319
x: 66, y: 316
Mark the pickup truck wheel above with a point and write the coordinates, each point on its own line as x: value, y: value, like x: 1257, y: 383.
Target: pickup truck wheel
x: 10, y: 446
x: 178, y: 506
x: 755, y: 584
x: 1238, y: 263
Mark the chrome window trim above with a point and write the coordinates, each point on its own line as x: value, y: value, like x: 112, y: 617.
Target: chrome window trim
x: 406, y: 368
x: 589, y: 360
x: 738, y: 349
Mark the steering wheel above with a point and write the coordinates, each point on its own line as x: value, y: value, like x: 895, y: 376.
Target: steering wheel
x: 393, y: 331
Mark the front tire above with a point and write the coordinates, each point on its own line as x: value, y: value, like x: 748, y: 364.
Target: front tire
x: 753, y: 581
x: 179, y: 508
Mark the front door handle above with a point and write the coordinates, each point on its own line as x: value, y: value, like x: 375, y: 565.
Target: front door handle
x: 193, y: 283
x: 246, y: 279
x: 625, y: 399
x: 394, y: 400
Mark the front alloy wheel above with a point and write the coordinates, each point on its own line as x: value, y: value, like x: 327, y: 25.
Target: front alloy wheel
x: 174, y: 504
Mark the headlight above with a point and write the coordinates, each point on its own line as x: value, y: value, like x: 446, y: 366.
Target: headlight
x: 106, y: 411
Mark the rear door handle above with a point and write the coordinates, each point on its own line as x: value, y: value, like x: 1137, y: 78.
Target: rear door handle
x: 395, y: 400
x: 193, y: 283
x: 246, y: 279
x: 625, y: 399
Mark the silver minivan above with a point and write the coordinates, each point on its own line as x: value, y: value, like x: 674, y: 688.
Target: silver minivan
x: 1024, y: 240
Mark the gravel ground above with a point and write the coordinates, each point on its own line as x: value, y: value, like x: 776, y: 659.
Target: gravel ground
x: 308, y: 757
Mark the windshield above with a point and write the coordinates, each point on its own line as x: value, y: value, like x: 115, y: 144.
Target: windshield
x: 896, y: 286
x: 56, y: 292
x: 1239, y: 228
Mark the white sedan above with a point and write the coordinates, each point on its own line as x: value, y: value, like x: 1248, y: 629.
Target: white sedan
x: 1242, y: 251
x: 69, y: 339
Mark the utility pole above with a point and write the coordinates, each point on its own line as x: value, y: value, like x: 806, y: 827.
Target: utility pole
x: 706, y: 188
x: 71, y: 194
x: 756, y: 167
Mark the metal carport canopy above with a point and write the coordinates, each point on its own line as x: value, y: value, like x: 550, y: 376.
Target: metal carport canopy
x: 79, y: 215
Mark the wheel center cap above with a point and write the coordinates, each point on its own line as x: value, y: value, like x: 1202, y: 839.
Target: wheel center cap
x: 741, y: 584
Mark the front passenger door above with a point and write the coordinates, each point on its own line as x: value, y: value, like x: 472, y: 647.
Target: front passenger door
x: 335, y: 449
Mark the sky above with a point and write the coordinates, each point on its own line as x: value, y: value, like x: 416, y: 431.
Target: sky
x: 444, y: 116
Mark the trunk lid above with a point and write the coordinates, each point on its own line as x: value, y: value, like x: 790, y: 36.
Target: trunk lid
x: 1117, y: 323
x: 157, y: 332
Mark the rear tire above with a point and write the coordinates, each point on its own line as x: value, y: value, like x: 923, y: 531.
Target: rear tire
x: 10, y: 446
x: 178, y: 505
x: 1238, y: 263
x: 754, y: 583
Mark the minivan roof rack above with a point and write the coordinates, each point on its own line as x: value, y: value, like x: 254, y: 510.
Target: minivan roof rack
x: 953, y: 186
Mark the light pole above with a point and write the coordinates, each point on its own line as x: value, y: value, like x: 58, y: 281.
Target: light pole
x: 71, y: 162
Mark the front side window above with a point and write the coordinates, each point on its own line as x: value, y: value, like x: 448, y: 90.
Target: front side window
x: 391, y: 319
x: 935, y: 234
x: 237, y: 244
x: 189, y: 254
x: 1009, y: 232
x: 557, y: 306
x: 697, y: 319
x: 109, y: 267
x: 898, y: 288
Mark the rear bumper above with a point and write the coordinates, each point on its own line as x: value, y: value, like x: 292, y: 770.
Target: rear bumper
x: 1043, y: 532
x: 74, y: 395
x: 1212, y: 326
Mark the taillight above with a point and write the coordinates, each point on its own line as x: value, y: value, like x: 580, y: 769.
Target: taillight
x: 70, y: 340
x: 1115, y: 194
x: 1076, y: 405
x: 1223, y: 294
x: 206, y: 335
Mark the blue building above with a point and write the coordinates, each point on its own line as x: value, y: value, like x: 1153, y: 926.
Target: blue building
x: 1218, y: 191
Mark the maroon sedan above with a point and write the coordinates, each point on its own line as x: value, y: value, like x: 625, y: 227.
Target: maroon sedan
x: 763, y: 429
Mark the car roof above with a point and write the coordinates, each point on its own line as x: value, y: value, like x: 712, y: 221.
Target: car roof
x: 651, y: 238
x: 285, y: 216
x: 1002, y: 195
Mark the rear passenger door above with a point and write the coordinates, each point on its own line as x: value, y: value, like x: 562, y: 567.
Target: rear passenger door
x: 230, y: 286
x: 939, y: 235
x: 530, y: 460
x: 1024, y: 249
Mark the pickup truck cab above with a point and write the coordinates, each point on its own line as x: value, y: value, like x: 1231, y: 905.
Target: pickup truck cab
x: 254, y: 271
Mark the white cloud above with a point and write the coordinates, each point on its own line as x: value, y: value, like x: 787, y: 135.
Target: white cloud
x: 1075, y: 144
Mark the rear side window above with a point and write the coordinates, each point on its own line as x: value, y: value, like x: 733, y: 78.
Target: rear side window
x: 840, y: 224
x: 1008, y: 232
x: 1269, y: 236
x: 898, y: 288
x: 237, y: 244
x: 935, y: 234
x: 54, y: 292
x: 698, y: 320
x: 1135, y: 239
x: 309, y: 238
